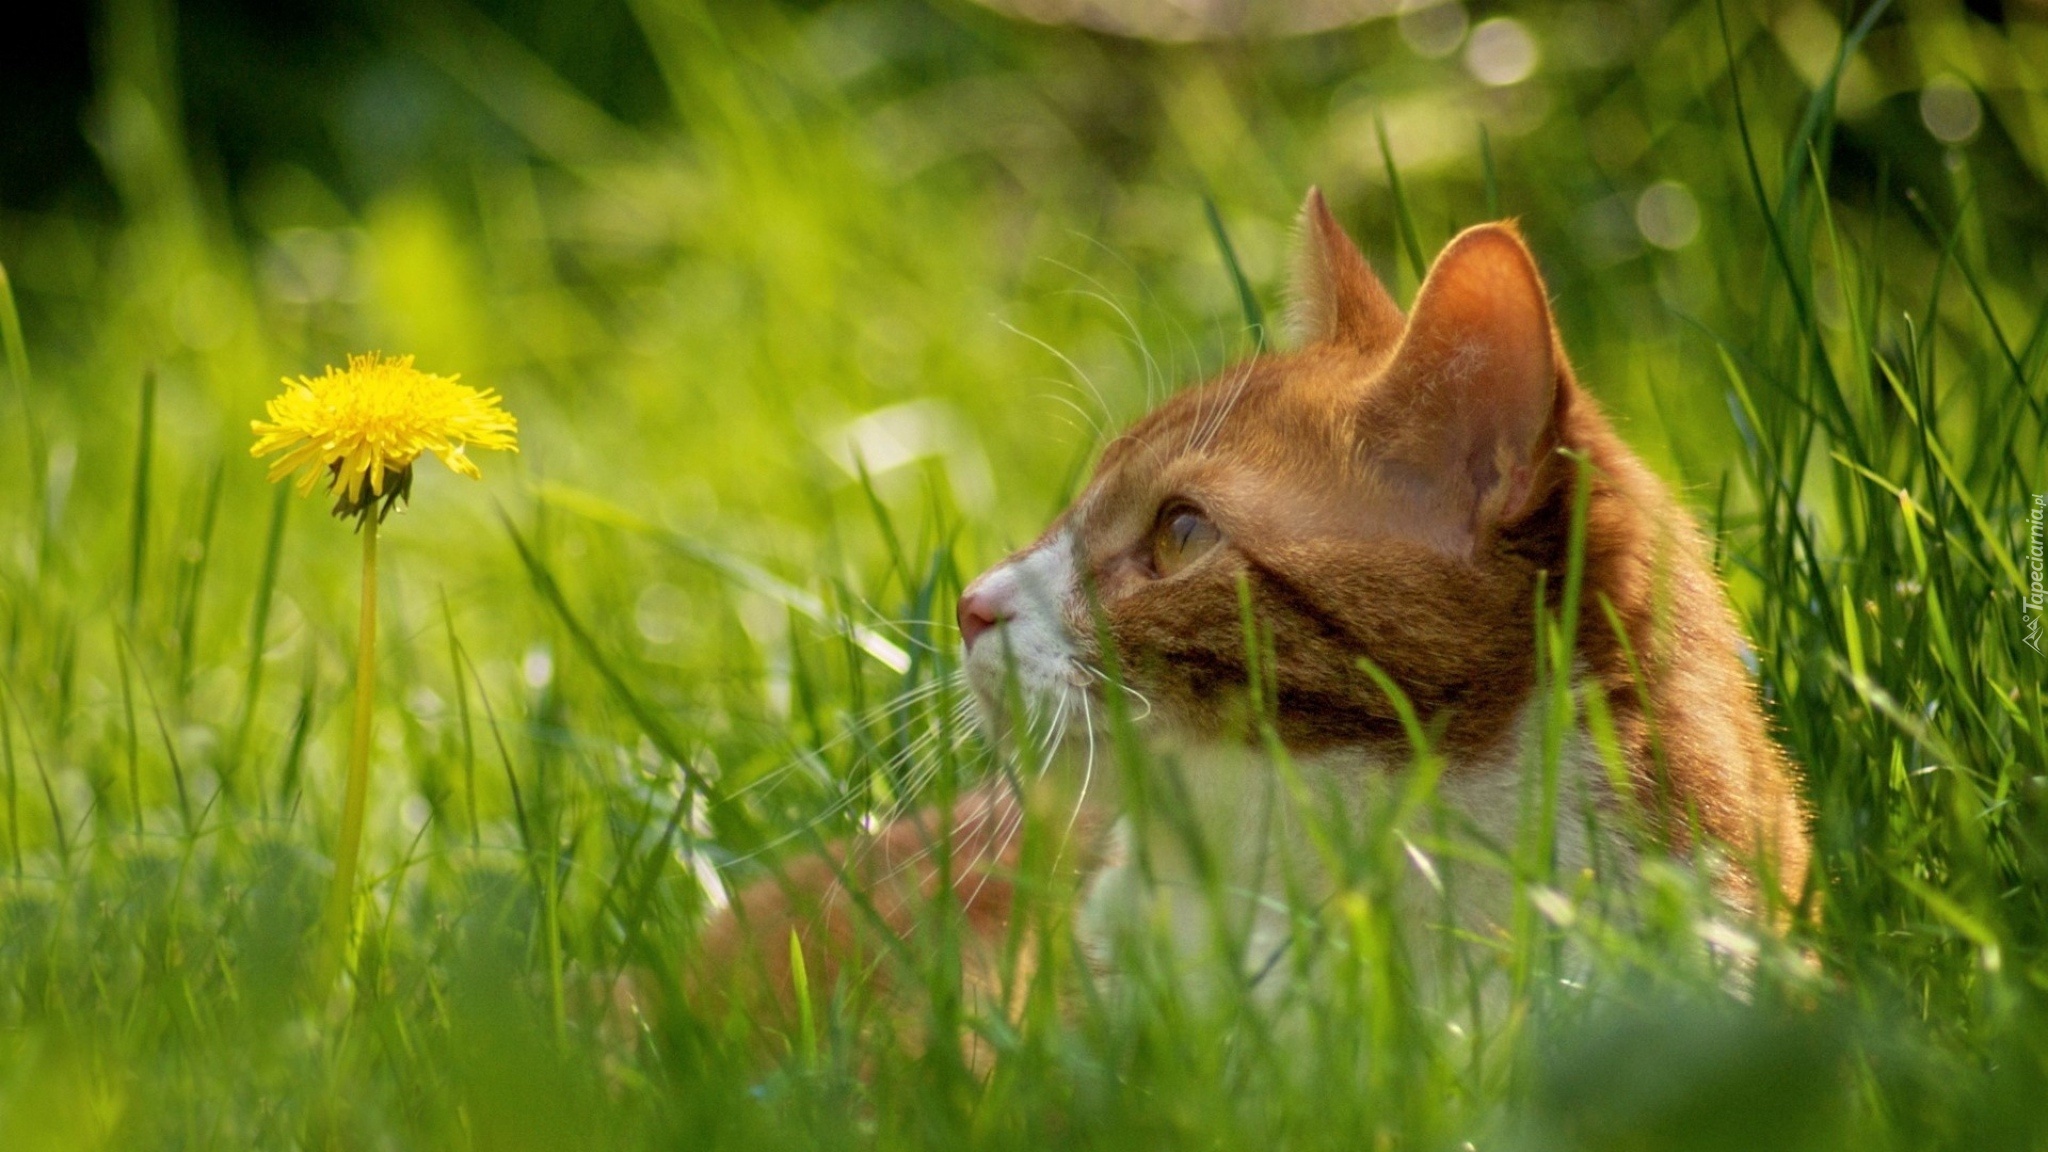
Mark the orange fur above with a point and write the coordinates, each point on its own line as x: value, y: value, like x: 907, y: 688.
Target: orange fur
x: 1393, y: 490
x: 851, y: 909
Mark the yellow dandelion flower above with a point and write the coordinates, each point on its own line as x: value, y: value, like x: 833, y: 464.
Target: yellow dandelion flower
x: 366, y: 424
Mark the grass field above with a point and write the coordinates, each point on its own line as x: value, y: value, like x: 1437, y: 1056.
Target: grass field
x: 819, y: 319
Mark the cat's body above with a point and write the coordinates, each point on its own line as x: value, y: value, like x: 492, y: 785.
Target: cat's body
x: 1392, y: 491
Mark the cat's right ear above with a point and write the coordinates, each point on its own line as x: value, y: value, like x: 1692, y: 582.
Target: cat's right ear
x: 1466, y: 415
x: 1335, y: 298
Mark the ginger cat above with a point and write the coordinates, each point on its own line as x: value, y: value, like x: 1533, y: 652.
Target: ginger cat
x: 1390, y: 490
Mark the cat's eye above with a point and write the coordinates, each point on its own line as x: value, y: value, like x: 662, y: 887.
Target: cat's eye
x: 1183, y: 536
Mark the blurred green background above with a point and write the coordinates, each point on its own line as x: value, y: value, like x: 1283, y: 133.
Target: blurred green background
x: 694, y: 244
x: 724, y: 259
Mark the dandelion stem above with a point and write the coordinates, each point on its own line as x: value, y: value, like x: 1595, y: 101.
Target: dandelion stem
x: 341, y: 903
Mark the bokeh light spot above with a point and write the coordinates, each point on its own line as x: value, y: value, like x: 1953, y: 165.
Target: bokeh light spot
x: 537, y: 668
x: 1668, y: 215
x: 662, y: 613
x: 1501, y: 52
x: 1950, y: 109
x: 1433, y: 28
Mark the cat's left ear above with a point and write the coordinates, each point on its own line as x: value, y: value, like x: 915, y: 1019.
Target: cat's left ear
x: 1464, y: 419
x: 1334, y: 297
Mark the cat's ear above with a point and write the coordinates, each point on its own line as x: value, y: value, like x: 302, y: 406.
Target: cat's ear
x: 1335, y: 298
x: 1464, y: 417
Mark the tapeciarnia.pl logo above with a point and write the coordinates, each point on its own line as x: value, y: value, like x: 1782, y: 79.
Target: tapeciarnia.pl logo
x: 2037, y: 589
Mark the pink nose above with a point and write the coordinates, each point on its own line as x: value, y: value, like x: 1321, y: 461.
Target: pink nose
x: 980, y: 611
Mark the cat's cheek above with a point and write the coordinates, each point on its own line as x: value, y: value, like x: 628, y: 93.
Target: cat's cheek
x: 1180, y: 646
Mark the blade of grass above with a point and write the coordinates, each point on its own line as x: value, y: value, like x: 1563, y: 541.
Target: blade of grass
x: 1779, y: 246
x: 138, y: 511
x: 743, y: 572
x: 521, y: 823
x: 649, y: 721
x: 193, y: 585
x: 13, y: 788
x: 1247, y: 300
x: 1405, y: 220
x: 130, y: 741
x: 646, y: 868
x: 170, y: 748
x: 16, y: 347
x: 35, y: 753
x: 1489, y: 180
x: 288, y: 792
x: 32, y: 438
x: 899, y: 564
x: 259, y: 636
x: 2021, y: 385
x: 456, y: 660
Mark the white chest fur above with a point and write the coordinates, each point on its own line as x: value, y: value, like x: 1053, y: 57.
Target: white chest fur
x: 1235, y: 857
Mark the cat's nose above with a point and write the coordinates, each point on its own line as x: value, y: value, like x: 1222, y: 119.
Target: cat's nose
x: 983, y: 605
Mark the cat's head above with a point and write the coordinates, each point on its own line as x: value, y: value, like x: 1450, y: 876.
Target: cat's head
x: 1387, y: 490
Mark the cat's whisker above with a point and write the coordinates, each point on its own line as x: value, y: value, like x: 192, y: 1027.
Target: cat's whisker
x: 903, y: 632
x: 1098, y: 674
x: 1087, y: 393
x: 813, y: 756
x: 903, y: 701
x: 915, y: 749
x: 906, y: 802
x: 1232, y: 395
x: 1041, y: 736
x: 985, y: 857
x: 911, y: 622
x: 1101, y: 293
x: 1087, y: 774
x: 1154, y: 375
x: 931, y: 846
x: 1096, y: 430
x: 929, y: 756
x: 1076, y: 369
x: 1203, y: 416
x: 1054, y: 731
x: 925, y: 754
x: 994, y: 851
x: 860, y: 847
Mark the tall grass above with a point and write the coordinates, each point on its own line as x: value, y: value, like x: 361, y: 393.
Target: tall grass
x: 797, y: 356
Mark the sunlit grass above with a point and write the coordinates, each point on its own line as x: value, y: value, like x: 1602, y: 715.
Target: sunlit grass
x: 794, y: 360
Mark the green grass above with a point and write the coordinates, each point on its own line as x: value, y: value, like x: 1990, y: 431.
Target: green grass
x: 691, y: 631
